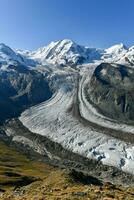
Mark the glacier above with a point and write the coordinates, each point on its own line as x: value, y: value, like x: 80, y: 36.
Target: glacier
x: 68, y: 118
x: 57, y: 120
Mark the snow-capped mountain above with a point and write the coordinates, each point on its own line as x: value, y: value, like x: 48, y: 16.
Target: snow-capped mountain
x: 115, y: 53
x: 8, y: 55
x: 67, y: 53
x: 128, y: 57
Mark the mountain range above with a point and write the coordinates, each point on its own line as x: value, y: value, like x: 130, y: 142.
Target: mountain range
x: 67, y: 52
x: 69, y: 103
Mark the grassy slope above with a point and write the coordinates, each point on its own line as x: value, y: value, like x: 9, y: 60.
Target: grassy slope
x: 47, y: 182
x: 15, y: 168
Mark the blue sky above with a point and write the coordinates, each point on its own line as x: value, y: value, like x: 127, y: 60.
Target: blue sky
x: 29, y: 24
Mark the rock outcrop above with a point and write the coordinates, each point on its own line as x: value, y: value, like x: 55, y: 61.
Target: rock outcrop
x: 111, y: 91
x: 20, y: 88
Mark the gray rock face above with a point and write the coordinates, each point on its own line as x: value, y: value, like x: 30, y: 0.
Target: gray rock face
x: 112, y: 91
x: 20, y: 88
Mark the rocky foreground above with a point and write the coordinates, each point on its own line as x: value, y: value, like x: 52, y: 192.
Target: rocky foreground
x: 23, y: 179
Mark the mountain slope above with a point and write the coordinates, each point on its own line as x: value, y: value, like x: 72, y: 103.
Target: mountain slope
x: 115, y: 53
x: 20, y: 87
x: 21, y: 178
x: 8, y: 55
x: 111, y: 91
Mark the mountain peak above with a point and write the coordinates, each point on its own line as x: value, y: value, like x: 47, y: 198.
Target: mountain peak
x: 117, y: 48
x: 62, y: 44
x: 6, y: 53
x: 65, y: 52
x: 66, y: 41
x: 5, y: 48
x: 2, y: 45
x: 9, y: 55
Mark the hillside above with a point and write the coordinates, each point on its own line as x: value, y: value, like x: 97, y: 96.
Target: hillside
x: 21, y: 178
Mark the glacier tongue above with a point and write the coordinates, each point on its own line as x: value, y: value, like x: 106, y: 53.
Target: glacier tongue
x: 58, y: 119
